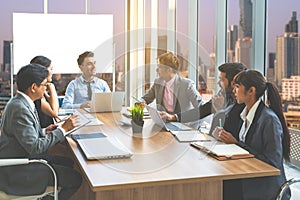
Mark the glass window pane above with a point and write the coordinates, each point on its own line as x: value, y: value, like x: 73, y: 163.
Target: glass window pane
x: 240, y: 31
x: 283, y: 55
x: 206, y: 30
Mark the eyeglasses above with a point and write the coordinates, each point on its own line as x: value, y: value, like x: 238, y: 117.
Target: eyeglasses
x: 45, y: 84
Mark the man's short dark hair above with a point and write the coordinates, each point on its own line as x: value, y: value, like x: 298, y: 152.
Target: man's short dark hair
x: 42, y: 60
x: 231, y: 69
x: 29, y: 74
x: 84, y: 55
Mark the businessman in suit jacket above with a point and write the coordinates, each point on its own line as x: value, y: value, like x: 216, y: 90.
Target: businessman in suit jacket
x: 173, y: 93
x: 222, y: 104
x: 22, y: 137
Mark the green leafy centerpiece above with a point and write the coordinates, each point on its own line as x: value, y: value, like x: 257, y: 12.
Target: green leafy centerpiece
x: 137, y: 114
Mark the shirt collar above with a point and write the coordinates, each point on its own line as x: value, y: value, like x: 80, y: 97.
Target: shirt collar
x: 251, y: 113
x: 27, y: 98
x: 84, y: 81
x: 170, y: 82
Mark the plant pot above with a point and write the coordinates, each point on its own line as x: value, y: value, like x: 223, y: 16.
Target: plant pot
x: 137, y: 127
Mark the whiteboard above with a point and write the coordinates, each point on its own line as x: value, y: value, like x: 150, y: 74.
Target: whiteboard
x: 62, y: 38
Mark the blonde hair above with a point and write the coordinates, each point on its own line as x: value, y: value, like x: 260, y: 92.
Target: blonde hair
x: 169, y: 59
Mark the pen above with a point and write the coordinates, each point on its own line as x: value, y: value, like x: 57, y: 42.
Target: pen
x: 220, y: 123
x: 136, y: 99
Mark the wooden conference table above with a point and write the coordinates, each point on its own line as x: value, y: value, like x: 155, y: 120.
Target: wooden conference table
x: 161, y: 168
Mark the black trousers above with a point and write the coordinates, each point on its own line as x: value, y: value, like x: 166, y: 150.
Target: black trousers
x: 67, y: 178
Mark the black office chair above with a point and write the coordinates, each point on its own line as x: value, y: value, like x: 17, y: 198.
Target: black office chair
x: 49, y: 190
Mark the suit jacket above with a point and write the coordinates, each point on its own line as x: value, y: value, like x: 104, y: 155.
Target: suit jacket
x: 230, y: 118
x: 22, y: 137
x: 264, y: 140
x: 186, y: 96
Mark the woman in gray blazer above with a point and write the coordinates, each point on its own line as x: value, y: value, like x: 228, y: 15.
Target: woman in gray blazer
x: 264, y: 133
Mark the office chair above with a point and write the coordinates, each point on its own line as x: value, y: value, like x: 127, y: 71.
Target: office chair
x: 49, y: 190
x: 285, y: 186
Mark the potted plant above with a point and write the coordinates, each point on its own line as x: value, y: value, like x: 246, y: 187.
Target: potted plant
x: 137, y: 114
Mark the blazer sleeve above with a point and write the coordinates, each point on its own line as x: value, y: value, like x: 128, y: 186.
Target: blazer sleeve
x: 151, y: 94
x: 193, y: 95
x: 28, y: 133
x: 196, y: 113
x: 270, y: 140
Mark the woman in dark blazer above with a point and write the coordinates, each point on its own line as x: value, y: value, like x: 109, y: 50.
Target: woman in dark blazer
x: 264, y: 133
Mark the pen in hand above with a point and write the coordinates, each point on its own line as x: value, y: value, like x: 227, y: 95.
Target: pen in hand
x: 220, y: 125
x: 139, y: 101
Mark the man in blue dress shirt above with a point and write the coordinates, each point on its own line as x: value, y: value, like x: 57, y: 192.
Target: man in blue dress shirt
x: 78, y: 92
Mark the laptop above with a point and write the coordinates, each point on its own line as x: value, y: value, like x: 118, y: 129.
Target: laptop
x: 169, y: 126
x: 106, y: 102
x: 97, y: 146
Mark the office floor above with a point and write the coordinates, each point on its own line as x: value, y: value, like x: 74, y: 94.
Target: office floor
x: 292, y: 171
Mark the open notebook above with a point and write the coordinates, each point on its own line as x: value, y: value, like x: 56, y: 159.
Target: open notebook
x: 222, y: 151
x: 97, y: 146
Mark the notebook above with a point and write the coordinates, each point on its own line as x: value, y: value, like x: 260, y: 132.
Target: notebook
x: 169, y: 126
x: 106, y: 102
x: 97, y: 146
x: 190, y: 136
x: 222, y: 151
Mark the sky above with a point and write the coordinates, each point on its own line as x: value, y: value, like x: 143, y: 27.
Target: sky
x: 279, y: 14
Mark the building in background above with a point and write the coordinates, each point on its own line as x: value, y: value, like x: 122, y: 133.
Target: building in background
x: 232, y: 37
x: 270, y: 69
x: 288, y: 51
x: 7, y: 45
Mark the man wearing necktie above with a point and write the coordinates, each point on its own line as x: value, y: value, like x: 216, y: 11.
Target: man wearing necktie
x: 23, y: 137
x: 172, y: 93
x: 79, y: 91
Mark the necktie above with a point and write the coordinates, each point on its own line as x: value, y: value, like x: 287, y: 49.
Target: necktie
x: 89, y: 91
x: 36, y: 115
x: 167, y: 100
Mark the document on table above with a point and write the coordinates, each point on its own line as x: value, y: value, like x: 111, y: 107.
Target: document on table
x: 190, y: 136
x: 94, y: 120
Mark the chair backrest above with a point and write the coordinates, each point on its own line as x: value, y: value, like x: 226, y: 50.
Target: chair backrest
x: 295, y: 147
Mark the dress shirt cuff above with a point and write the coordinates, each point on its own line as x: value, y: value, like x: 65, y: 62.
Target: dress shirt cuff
x: 178, y: 117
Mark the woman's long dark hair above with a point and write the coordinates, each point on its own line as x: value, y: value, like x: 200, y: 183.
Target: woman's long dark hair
x: 253, y: 78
